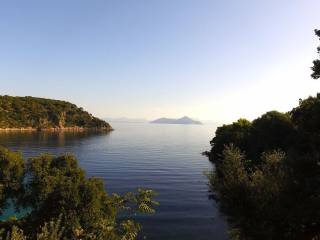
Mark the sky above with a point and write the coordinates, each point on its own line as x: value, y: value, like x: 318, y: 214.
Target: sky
x: 207, y: 59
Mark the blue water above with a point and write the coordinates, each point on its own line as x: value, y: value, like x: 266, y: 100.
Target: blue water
x: 166, y: 158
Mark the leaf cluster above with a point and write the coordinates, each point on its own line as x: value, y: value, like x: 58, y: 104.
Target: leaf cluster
x: 64, y: 203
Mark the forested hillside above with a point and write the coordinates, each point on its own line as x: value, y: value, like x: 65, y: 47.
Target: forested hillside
x: 41, y: 113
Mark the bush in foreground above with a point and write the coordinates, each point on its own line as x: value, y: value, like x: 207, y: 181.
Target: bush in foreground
x: 63, y: 202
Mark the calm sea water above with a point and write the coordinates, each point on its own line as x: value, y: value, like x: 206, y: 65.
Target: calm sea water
x: 166, y: 158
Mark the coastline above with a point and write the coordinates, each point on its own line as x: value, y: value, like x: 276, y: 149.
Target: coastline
x: 57, y: 129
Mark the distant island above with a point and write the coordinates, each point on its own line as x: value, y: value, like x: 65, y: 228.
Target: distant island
x: 31, y: 113
x: 183, y: 120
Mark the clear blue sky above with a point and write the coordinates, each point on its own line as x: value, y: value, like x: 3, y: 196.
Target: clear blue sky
x: 207, y: 59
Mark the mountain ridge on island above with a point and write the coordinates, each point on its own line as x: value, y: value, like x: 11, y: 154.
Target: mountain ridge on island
x: 33, y: 113
x: 183, y: 120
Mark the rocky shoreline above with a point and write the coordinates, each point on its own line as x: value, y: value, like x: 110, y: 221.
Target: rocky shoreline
x: 56, y: 129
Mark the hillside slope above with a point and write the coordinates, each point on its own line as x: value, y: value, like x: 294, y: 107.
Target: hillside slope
x: 41, y: 114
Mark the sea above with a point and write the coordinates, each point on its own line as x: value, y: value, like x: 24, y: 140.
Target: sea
x: 164, y: 157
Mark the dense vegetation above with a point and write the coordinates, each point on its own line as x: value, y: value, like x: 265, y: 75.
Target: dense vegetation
x: 40, y: 113
x: 267, y: 173
x: 63, y: 202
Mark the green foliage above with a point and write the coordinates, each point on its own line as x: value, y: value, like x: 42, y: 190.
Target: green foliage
x: 269, y: 177
x: 67, y: 204
x: 236, y: 133
x: 307, y: 115
x: 51, y: 231
x: 316, y: 63
x: 254, y: 200
x: 15, y: 234
x: 271, y: 131
x: 24, y: 112
x: 11, y: 176
x: 127, y: 227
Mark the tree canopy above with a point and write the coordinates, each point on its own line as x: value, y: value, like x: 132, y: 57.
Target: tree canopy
x: 63, y: 202
x: 267, y: 174
x: 270, y: 131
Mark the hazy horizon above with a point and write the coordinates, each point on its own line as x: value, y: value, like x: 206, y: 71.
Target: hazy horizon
x: 116, y: 119
x: 204, y: 59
